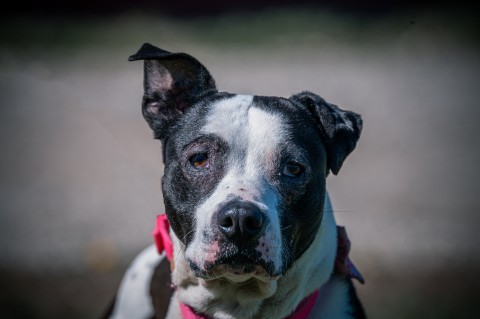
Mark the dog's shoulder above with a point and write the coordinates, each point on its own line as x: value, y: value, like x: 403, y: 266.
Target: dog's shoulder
x: 338, y: 299
x: 357, y: 310
x: 145, y: 289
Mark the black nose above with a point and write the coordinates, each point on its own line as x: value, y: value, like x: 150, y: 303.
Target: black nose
x: 241, y: 221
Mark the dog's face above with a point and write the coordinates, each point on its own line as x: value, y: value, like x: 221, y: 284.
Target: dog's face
x: 244, y: 185
x: 244, y: 181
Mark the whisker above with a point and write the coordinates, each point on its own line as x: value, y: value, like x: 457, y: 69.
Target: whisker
x: 183, y: 240
x: 338, y: 211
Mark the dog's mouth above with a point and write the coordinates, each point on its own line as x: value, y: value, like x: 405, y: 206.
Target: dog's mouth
x: 236, y: 268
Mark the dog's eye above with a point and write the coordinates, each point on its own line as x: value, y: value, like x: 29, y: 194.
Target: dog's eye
x: 199, y: 160
x: 292, y: 169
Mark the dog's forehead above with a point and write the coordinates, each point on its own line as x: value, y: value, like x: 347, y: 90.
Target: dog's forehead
x: 241, y: 121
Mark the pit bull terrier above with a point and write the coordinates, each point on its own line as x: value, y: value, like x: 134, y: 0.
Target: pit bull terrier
x: 249, y: 230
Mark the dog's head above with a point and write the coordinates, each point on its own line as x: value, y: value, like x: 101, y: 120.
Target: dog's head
x: 244, y: 180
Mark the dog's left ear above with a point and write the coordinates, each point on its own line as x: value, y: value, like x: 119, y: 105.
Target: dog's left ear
x: 173, y: 82
x: 340, y: 129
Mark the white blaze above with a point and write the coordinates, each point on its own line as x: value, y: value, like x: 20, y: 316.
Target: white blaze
x: 253, y: 136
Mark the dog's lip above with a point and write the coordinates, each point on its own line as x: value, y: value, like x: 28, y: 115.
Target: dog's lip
x: 236, y: 261
x: 237, y: 274
x: 236, y: 268
x: 240, y: 273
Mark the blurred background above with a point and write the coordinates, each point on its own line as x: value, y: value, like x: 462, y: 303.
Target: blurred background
x: 80, y: 172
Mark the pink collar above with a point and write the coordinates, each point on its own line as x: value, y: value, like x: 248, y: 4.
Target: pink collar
x: 343, y: 266
x: 302, y: 311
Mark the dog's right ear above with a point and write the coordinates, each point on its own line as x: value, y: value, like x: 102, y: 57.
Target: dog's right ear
x: 172, y: 83
x: 340, y: 129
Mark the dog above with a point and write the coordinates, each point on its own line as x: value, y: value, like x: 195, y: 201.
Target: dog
x: 249, y: 225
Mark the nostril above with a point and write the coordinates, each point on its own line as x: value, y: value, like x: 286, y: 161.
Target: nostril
x: 254, y: 222
x: 227, y: 221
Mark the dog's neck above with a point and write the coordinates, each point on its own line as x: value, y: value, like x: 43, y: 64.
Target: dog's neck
x: 221, y: 299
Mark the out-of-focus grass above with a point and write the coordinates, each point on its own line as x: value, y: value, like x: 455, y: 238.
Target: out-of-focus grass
x: 297, y: 26
x: 445, y: 294
x: 55, y: 38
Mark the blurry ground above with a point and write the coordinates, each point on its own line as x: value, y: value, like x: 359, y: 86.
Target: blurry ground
x: 80, y: 172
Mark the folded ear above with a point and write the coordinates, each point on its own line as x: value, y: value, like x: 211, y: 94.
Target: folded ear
x: 340, y: 129
x: 172, y: 83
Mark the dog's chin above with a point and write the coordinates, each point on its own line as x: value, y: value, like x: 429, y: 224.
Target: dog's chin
x: 236, y: 269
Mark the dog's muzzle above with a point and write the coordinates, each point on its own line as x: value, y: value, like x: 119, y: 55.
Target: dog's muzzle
x: 240, y: 227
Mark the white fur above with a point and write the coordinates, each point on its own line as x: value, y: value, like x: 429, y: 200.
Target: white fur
x: 133, y: 298
x: 253, y: 136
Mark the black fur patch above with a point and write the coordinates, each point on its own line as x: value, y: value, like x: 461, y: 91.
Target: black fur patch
x: 184, y: 188
x: 160, y: 289
x: 302, y: 198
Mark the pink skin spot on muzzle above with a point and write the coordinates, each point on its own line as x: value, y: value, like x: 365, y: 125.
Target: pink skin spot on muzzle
x: 267, y: 246
x: 211, y: 252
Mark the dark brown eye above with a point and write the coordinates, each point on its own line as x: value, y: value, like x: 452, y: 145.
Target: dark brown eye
x: 293, y: 169
x: 199, y: 160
